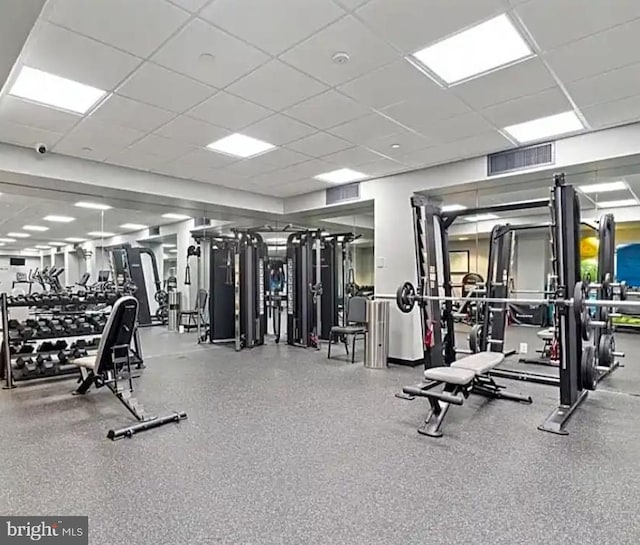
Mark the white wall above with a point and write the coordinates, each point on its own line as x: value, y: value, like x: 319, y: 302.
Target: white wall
x: 8, y: 273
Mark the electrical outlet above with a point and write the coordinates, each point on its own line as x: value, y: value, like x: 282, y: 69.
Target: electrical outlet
x: 524, y: 347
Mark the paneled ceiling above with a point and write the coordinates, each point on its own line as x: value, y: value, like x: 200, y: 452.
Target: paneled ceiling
x: 183, y: 73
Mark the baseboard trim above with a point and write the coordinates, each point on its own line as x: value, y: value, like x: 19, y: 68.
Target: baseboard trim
x: 408, y: 363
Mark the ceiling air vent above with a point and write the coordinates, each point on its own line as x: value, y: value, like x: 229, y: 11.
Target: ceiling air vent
x: 520, y: 159
x: 343, y: 193
x: 201, y: 222
x: 154, y: 231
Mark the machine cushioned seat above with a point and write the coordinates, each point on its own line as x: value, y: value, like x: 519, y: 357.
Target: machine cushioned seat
x: 348, y: 329
x: 450, y: 375
x: 546, y: 334
x: 479, y: 363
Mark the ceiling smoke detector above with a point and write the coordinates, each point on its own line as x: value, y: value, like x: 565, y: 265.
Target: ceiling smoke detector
x: 340, y: 57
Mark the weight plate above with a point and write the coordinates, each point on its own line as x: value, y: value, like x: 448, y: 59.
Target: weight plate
x: 161, y: 297
x: 475, y: 338
x: 623, y: 291
x: 589, y: 368
x: 405, y: 297
x: 579, y: 296
x: 606, y: 348
x: 585, y: 325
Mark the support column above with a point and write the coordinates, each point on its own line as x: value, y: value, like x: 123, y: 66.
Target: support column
x: 394, y: 262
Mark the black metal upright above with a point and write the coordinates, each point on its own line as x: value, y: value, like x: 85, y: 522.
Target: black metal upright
x: 565, y: 210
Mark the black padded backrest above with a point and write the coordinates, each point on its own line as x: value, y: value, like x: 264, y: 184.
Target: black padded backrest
x: 84, y: 279
x: 118, y: 331
x: 357, y: 310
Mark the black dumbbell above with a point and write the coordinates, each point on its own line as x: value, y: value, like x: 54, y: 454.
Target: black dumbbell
x: 60, y: 345
x: 44, y: 361
x: 44, y: 330
x: 22, y: 361
x: 57, y: 326
x: 63, y: 356
x: 46, y: 346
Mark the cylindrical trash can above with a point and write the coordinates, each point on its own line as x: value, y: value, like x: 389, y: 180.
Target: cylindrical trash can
x: 377, y: 345
x: 174, y: 310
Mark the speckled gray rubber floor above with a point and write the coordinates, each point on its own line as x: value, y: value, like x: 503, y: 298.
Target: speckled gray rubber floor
x: 283, y: 446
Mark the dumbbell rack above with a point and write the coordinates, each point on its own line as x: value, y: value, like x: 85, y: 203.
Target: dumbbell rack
x: 48, y: 352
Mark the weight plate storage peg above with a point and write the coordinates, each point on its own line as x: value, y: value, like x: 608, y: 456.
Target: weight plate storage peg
x: 589, y: 368
x: 476, y: 338
x: 406, y: 297
x: 606, y: 349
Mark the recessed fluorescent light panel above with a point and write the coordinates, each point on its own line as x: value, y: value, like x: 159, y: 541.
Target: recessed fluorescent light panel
x: 135, y: 226
x: 545, y: 127
x: 618, y: 203
x: 453, y: 208
x: 59, y: 219
x: 100, y: 234
x: 172, y: 216
x: 55, y: 91
x: 75, y: 239
x: 43, y: 247
x: 604, y: 187
x: 479, y: 49
x: 19, y: 235
x: 7, y: 239
x: 56, y: 244
x: 35, y: 228
x: 342, y: 176
x: 481, y: 217
x: 168, y: 245
x: 240, y: 145
x: 93, y: 205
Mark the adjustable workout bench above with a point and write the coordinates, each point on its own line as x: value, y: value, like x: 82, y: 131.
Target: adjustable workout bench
x: 111, y: 366
x: 468, y: 375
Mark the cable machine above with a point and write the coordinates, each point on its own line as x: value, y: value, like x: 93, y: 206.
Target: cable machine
x: 236, y: 278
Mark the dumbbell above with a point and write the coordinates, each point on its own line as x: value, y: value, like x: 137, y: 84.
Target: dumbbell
x: 57, y: 326
x: 45, y: 361
x: 27, y: 363
x: 83, y: 326
x: 63, y: 356
x: 71, y: 326
x: 44, y: 329
x: 90, y: 297
x: 46, y: 346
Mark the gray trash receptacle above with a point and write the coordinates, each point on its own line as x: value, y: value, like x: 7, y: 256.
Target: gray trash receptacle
x: 377, y: 345
x: 174, y: 310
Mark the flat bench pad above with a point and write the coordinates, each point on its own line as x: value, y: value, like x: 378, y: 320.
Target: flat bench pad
x: 450, y: 375
x: 546, y: 334
x: 479, y: 363
x: 88, y: 362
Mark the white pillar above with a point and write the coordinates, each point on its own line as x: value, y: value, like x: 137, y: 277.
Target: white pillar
x: 394, y: 264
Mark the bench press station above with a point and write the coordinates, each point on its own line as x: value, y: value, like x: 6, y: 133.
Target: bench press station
x: 465, y: 376
x: 111, y: 367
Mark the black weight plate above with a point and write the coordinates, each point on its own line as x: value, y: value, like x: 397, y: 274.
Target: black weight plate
x: 606, y: 348
x: 475, y: 338
x: 589, y: 368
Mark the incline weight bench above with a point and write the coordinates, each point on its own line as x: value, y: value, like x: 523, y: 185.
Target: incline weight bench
x: 465, y: 376
x: 111, y: 367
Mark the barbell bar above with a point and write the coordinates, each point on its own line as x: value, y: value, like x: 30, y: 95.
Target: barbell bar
x: 406, y: 298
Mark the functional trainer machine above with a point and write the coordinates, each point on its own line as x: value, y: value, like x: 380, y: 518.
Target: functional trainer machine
x: 578, y: 370
x: 236, y: 276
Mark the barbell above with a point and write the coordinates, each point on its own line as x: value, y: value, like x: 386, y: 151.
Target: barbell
x: 406, y: 298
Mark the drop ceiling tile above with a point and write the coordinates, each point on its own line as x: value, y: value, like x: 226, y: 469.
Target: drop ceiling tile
x: 419, y: 114
x: 190, y: 5
x: 272, y: 26
x: 278, y: 129
x: 598, y: 53
x: 458, y: 128
x: 137, y: 27
x: 391, y: 84
x: 26, y: 113
x: 96, y: 140
x: 309, y: 169
x: 319, y: 144
x: 267, y: 162
x: 52, y: 48
x: 617, y: 112
x: 558, y: 22
x: 231, y: 60
x: 192, y: 131
x: 276, y: 86
x: 135, y: 159
x: 160, y: 87
x: 365, y: 49
x: 23, y: 135
x: 366, y: 129
x: 299, y: 187
x: 414, y: 24
x: 124, y: 111
x: 408, y: 141
x: 327, y: 110
x: 351, y: 4
x: 205, y: 158
x: 160, y: 146
x: 382, y: 167
x: 525, y: 78
x: 352, y: 157
x: 229, y: 111
x: 606, y: 87
x: 549, y: 102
